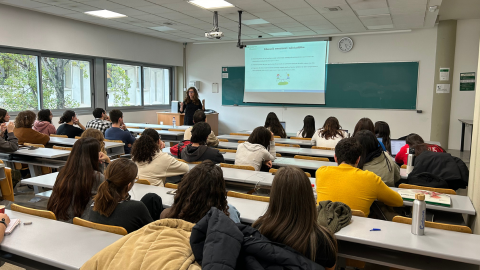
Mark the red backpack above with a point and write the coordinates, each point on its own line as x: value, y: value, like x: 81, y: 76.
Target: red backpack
x: 176, y: 150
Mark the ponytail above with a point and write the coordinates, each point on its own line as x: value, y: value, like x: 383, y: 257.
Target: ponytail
x: 107, y: 198
x: 67, y: 116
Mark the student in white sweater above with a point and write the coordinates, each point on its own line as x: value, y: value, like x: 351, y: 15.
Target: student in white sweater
x: 153, y: 164
x: 308, y: 127
x: 258, y: 150
x: 330, y: 134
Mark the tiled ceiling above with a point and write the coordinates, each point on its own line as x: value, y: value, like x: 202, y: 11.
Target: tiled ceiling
x: 296, y: 17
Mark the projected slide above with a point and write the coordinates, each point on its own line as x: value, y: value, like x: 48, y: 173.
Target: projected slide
x: 286, y: 72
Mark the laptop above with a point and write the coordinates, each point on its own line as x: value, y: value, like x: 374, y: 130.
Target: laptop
x: 284, y: 125
x: 396, y: 146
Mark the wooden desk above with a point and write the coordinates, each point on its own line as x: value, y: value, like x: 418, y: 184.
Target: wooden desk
x: 167, y: 118
x: 164, y: 127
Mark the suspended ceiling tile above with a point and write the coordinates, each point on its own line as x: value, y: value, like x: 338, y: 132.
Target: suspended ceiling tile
x: 56, y: 10
x: 301, y: 11
x: 132, y: 3
x: 25, y: 3
x: 154, y: 9
x: 104, y: 5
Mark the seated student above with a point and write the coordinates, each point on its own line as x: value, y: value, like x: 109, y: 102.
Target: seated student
x: 119, y: 131
x: 98, y: 135
x: 367, y: 124
x: 413, y: 139
x: 202, y: 188
x: 43, y: 124
x: 153, y: 164
x: 292, y: 202
x: 308, y: 127
x: 258, y: 151
x: 382, y: 130
x: 350, y: 185
x: 330, y: 134
x: 273, y: 124
x: 375, y: 160
x: 112, y: 204
x: 199, y: 116
x: 77, y: 182
x: 68, y: 119
x: 24, y: 131
x: 8, y: 141
x: 101, y: 121
x: 198, y: 149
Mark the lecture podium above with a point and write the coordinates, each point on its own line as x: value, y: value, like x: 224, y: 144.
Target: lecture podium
x: 167, y: 119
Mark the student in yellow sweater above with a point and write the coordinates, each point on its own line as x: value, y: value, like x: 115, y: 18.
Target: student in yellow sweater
x: 350, y: 185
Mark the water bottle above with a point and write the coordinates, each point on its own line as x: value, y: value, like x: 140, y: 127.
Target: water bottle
x: 418, y: 215
x: 411, y: 159
x: 314, y: 193
x: 174, y: 123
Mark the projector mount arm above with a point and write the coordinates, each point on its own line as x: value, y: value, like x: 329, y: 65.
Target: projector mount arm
x: 239, y: 44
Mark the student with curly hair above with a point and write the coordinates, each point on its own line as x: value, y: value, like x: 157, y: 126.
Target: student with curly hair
x: 24, y: 131
x: 153, y: 164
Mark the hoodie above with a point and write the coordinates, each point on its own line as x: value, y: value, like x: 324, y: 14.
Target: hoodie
x: 388, y: 170
x: 252, y: 154
x: 201, y: 153
x: 44, y: 127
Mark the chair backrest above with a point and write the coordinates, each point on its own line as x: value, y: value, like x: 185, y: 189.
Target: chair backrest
x: 358, y: 213
x: 312, y: 158
x: 195, y: 162
x: 34, y: 145
x: 248, y: 196
x: 323, y: 148
x: 173, y: 143
x: 241, y: 141
x: 300, y: 138
x: 436, y: 225
x: 222, y: 140
x: 278, y: 155
x: 287, y: 145
x: 100, y: 227
x: 60, y: 136
x: 439, y: 190
x: 63, y: 148
x: 240, y: 167
x: 278, y: 137
x: 176, y: 129
x: 170, y: 185
x: 78, y: 137
x: 228, y: 150
x: 403, y: 166
x: 117, y: 141
x: 133, y: 127
x: 181, y: 160
x: 274, y: 171
x: 143, y: 182
x: 34, y: 212
x: 240, y: 134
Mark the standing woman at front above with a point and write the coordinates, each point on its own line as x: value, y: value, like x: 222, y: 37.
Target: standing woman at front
x: 190, y: 105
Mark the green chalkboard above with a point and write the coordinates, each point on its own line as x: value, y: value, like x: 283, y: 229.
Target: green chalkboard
x: 391, y: 85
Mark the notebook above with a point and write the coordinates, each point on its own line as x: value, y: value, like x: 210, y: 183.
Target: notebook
x: 431, y: 197
x: 12, y: 225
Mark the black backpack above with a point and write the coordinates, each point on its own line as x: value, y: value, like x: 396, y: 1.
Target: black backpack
x: 426, y: 179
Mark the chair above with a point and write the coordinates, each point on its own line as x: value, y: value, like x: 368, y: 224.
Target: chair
x: 62, y: 148
x: 176, y: 129
x: 300, y: 138
x: 34, y: 212
x: 403, y: 166
x: 6, y: 186
x: 274, y: 171
x: 240, y: 167
x: 323, y: 148
x: 277, y: 137
x: 278, y: 155
x: 195, y: 162
x: 222, y: 140
x: 181, y: 160
x: 60, y: 136
x: 352, y: 262
x: 240, y: 134
x: 241, y: 141
x: 78, y: 137
x: 228, y: 150
x: 143, y: 182
x: 117, y: 141
x: 312, y: 158
x: 436, y: 225
x: 133, y: 127
x: 358, y: 213
x: 439, y: 190
x: 170, y: 185
x: 34, y: 145
x: 100, y: 227
x: 287, y: 145
x: 248, y: 196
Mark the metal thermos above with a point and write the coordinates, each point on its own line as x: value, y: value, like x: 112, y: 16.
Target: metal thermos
x: 411, y: 159
x: 418, y: 215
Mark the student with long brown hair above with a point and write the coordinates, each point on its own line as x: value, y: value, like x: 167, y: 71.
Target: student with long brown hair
x: 98, y: 135
x: 291, y: 218
x: 112, y: 204
x: 259, y: 151
x: 272, y: 123
x: 202, y: 188
x: 382, y: 131
x: 308, y: 127
x: 77, y: 182
x: 330, y: 134
x: 190, y: 105
x: 367, y: 124
x: 24, y: 131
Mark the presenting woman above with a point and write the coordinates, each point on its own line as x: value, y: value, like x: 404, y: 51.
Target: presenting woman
x: 190, y: 105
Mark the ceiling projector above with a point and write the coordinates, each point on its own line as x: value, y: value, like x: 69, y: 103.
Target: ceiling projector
x: 212, y: 35
x: 215, y: 32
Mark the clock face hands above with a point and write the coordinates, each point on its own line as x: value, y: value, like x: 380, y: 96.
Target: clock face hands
x: 345, y: 44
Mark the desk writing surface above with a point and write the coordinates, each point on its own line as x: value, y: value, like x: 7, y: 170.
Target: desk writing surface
x: 46, y: 180
x: 161, y: 132
x: 71, y: 141
x: 466, y: 121
x: 42, y: 152
x: 166, y: 127
x: 287, y: 150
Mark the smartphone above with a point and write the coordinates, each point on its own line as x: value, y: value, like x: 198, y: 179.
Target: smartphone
x: 172, y: 192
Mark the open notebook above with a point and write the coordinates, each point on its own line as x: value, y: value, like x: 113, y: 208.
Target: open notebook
x: 431, y: 197
x: 12, y: 225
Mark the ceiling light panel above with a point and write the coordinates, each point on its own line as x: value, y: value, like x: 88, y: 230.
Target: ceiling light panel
x: 281, y: 34
x: 162, y: 28
x: 210, y: 4
x: 254, y: 21
x: 107, y: 14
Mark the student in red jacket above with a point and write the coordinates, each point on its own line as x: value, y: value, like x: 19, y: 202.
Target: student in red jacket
x: 413, y: 139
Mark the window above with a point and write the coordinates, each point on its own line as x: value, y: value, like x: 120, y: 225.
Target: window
x: 66, y: 83
x: 157, y: 86
x: 123, y: 85
x: 19, y: 89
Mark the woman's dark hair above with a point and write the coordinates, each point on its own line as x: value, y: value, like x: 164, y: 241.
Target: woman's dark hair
x: 119, y: 174
x: 382, y: 130
x: 67, y: 116
x: 200, y: 132
x: 291, y: 217
x: 262, y: 136
x: 413, y: 139
x: 44, y: 115
x: 331, y: 129
x: 195, y: 100
x: 364, y: 124
x: 202, y: 188
x: 74, y: 183
x: 308, y: 127
x: 274, y: 125
x: 3, y: 113
x: 371, y: 148
x: 25, y: 119
x: 144, y: 149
